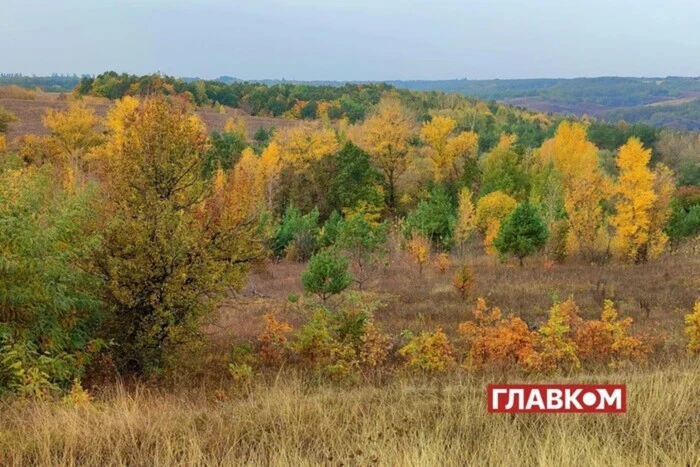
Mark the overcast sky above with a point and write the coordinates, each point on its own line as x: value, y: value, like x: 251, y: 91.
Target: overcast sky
x: 353, y: 40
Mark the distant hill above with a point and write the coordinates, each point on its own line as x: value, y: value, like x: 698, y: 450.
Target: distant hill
x: 660, y: 102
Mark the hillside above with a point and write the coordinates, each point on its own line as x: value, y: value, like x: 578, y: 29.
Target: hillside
x: 661, y: 102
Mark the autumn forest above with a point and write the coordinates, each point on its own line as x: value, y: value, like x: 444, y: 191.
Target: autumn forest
x: 204, y: 272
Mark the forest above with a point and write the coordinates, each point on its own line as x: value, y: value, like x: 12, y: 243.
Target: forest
x: 192, y: 295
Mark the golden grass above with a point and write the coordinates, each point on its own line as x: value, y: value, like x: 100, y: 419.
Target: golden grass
x: 409, y: 422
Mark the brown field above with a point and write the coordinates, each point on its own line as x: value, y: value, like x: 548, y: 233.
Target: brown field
x: 656, y: 295
x: 30, y: 112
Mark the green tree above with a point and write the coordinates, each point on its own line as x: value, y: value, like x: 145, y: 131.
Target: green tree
x: 49, y: 305
x: 326, y: 275
x: 167, y: 258
x: 224, y: 151
x: 434, y: 218
x: 363, y: 237
x: 355, y: 179
x: 522, y: 233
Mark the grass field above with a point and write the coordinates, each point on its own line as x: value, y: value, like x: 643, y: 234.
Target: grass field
x: 29, y: 113
x: 285, y: 421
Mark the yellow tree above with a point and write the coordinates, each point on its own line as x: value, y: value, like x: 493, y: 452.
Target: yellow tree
x: 269, y: 171
x: 447, y: 151
x: 306, y: 143
x: 75, y: 133
x: 466, y: 216
x: 664, y: 188
x: 585, y: 187
x: 237, y: 126
x: 386, y: 135
x: 643, y: 204
x: 491, y: 210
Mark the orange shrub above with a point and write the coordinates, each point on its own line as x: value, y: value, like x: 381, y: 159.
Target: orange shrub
x: 442, y: 262
x: 608, y: 340
x: 492, y: 340
x: 272, y: 343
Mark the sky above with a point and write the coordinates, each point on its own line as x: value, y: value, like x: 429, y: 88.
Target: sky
x: 353, y: 40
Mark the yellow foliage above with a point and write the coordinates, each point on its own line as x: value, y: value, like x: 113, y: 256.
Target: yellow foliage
x: 447, y: 153
x: 692, y: 329
x: 635, y: 189
x: 237, y: 126
x: 385, y: 135
x: 442, y: 262
x: 305, y: 143
x: 3, y: 144
x: 419, y: 249
x: 466, y: 216
x: 269, y: 170
x: 75, y: 132
x: 490, y: 211
x: 429, y: 352
x: 463, y: 281
x: 585, y: 186
x: 555, y: 349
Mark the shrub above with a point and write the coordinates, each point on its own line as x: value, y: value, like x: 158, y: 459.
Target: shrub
x: 298, y: 230
x: 326, y: 275
x: 555, y: 349
x: 442, y: 262
x: 692, y: 330
x: 419, y: 249
x: 49, y: 308
x: 608, y: 340
x: 463, y: 281
x: 429, y: 352
x: 493, y: 341
x: 272, y: 343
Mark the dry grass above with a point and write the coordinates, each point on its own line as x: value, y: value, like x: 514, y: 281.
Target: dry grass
x: 30, y: 112
x: 656, y: 295
x: 410, y: 422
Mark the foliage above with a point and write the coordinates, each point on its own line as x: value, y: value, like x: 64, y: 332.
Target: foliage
x: 362, y: 236
x: 464, y: 281
x: 355, y: 180
x: 585, y: 187
x: 418, y: 247
x: 165, y: 250
x: 326, y: 274
x: 522, y: 233
x: 635, y: 187
x: 491, y: 210
x: 433, y: 218
x: 272, y: 342
x: 6, y: 117
x: 49, y: 305
x: 385, y: 135
x: 299, y: 231
x: 692, y: 330
x: 503, y: 169
x: 555, y: 349
x: 224, y: 151
x: 466, y: 216
x: 429, y: 352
